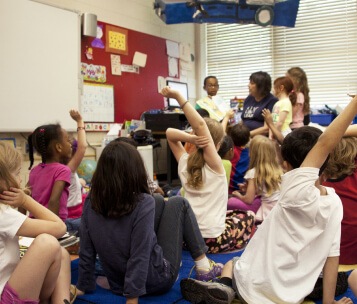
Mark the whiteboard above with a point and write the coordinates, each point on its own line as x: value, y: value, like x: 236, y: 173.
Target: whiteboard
x: 39, y: 65
x: 97, y: 103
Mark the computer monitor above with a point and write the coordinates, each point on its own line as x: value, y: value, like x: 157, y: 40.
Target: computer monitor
x: 179, y: 86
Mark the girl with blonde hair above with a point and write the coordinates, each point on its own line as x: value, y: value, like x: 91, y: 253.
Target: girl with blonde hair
x: 43, y: 274
x: 263, y: 178
x: 204, y: 180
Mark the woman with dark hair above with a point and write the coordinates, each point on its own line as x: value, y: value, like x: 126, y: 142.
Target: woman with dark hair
x: 138, y: 238
x: 259, y: 98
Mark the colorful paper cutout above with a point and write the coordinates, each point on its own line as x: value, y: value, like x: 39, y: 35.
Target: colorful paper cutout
x: 91, y: 72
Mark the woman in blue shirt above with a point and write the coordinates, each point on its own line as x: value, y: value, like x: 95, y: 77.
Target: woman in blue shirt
x: 259, y: 98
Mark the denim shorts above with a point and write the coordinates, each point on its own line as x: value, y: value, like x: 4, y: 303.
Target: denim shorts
x: 10, y: 296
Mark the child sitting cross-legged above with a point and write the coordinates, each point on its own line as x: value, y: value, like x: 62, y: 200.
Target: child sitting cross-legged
x: 138, y: 238
x: 43, y: 274
x: 341, y: 174
x: 298, y: 240
x: 204, y: 180
x: 263, y: 179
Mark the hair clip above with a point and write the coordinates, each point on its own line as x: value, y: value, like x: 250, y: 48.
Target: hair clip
x: 42, y: 130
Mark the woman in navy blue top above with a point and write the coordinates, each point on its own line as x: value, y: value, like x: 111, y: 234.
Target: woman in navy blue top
x: 259, y: 98
x: 137, y: 237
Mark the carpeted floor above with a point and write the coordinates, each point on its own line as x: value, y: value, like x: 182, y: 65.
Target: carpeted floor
x: 102, y: 296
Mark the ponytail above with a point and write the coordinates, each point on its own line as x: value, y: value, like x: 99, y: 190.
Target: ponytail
x: 30, y: 143
x: 195, y: 164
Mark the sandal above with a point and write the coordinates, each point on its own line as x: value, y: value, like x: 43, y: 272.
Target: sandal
x: 73, y: 293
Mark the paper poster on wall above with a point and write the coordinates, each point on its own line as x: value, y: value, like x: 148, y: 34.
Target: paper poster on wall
x: 116, y: 40
x: 91, y: 72
x: 97, y: 103
x: 115, y: 64
x: 185, y: 51
x: 173, y: 67
x: 186, y: 65
x: 172, y: 49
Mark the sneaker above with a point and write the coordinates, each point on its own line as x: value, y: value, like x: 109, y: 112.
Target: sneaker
x: 196, y: 291
x: 210, y: 274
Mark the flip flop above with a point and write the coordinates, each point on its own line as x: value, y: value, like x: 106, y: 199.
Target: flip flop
x: 73, y: 293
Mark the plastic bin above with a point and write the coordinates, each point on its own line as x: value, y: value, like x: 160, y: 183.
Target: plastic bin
x: 322, y: 119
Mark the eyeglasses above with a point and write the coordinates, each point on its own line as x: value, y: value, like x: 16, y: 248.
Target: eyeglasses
x: 213, y: 85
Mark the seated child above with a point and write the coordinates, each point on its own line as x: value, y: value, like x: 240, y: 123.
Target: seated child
x: 226, y: 153
x: 240, y: 134
x: 298, y: 240
x: 204, y: 180
x: 263, y: 179
x: 341, y: 174
x: 138, y: 238
x: 43, y: 274
x: 75, y: 199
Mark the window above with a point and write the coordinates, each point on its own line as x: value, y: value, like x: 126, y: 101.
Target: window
x: 323, y: 43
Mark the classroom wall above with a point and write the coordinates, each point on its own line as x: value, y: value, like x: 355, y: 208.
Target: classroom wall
x: 137, y: 15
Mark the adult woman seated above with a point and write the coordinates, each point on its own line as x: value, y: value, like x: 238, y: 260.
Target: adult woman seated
x: 259, y: 98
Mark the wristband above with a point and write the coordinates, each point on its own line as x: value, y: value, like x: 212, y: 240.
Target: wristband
x: 81, y: 128
x: 184, y: 105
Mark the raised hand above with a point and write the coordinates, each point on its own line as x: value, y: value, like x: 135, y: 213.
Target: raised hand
x: 170, y: 93
x: 76, y: 116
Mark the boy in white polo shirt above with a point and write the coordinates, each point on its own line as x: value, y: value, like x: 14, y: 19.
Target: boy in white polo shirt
x: 298, y: 240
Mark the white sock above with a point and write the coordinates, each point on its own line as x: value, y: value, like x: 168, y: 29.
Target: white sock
x: 203, y: 264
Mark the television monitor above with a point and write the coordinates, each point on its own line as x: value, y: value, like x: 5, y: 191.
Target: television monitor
x: 179, y: 86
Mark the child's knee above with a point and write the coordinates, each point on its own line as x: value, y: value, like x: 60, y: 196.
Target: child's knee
x: 65, y: 255
x: 47, y: 243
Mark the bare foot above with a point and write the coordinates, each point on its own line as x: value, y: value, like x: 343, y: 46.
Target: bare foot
x: 344, y: 300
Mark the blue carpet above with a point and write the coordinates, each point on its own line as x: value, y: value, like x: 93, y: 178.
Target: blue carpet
x: 103, y: 296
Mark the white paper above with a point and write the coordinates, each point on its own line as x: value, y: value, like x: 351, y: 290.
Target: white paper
x: 188, y: 66
x: 114, y: 130
x: 172, y: 49
x: 139, y: 59
x: 25, y: 241
x: 115, y: 64
x: 161, y: 83
x: 129, y: 68
x: 185, y: 51
x: 173, y: 67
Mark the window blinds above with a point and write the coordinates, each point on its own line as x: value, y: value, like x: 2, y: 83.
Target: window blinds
x: 323, y: 43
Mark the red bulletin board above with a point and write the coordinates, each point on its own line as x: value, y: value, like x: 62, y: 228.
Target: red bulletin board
x: 133, y: 93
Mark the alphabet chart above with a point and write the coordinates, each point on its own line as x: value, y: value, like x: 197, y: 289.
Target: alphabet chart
x: 97, y: 102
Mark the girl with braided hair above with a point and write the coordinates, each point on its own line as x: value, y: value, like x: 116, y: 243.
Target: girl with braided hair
x: 49, y: 181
